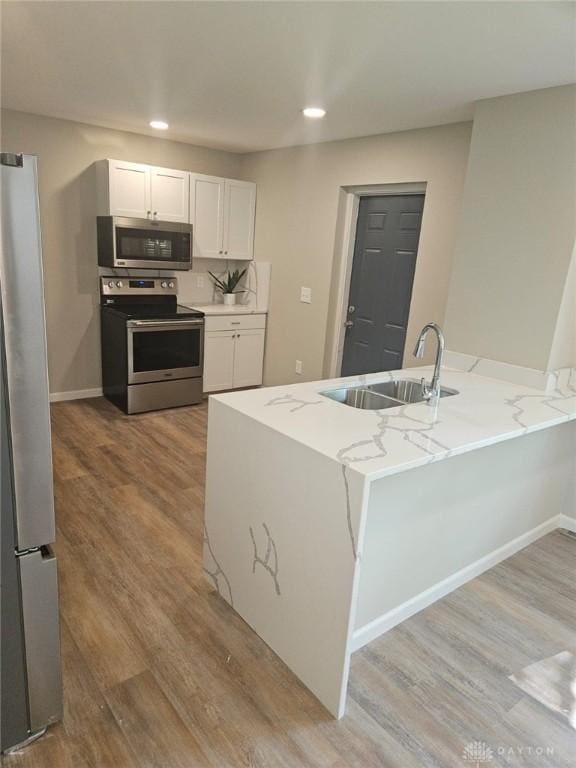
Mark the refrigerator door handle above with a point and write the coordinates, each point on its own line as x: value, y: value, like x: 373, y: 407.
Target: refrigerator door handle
x: 39, y: 585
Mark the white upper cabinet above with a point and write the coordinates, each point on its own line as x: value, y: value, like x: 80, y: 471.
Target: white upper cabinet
x: 207, y: 215
x: 222, y: 214
x: 128, y: 186
x: 240, y: 209
x: 169, y: 191
x: 221, y: 211
x: 143, y: 191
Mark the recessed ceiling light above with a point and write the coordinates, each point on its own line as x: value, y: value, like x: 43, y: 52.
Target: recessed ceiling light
x: 160, y: 125
x: 314, y: 112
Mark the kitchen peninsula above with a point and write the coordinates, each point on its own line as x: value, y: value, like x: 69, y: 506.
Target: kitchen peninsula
x: 327, y: 525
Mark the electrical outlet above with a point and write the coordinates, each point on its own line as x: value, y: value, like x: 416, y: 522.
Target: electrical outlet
x: 306, y: 295
x: 299, y: 367
x: 200, y: 281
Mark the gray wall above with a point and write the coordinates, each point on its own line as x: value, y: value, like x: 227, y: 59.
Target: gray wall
x: 299, y: 190
x: 518, y: 229
x: 66, y: 153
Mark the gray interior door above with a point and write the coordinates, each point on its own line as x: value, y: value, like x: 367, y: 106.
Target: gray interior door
x: 384, y: 261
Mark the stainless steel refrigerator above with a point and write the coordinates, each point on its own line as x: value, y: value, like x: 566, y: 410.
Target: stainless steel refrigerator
x: 31, y: 685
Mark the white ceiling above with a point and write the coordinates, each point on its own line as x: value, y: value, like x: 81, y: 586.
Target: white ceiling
x: 235, y: 75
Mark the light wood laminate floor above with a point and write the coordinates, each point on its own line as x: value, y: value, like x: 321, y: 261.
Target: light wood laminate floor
x: 160, y: 673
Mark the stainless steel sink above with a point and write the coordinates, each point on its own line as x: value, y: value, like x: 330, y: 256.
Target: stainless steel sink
x: 406, y: 390
x: 361, y: 397
x: 386, y: 394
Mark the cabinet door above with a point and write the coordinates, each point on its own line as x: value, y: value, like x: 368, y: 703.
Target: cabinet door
x: 207, y: 215
x: 218, y: 360
x: 129, y: 189
x: 170, y: 194
x: 240, y: 209
x: 248, y: 358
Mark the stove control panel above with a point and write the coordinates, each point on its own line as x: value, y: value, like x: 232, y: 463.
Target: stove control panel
x: 143, y: 286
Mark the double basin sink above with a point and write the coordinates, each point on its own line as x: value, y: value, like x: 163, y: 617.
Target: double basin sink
x: 386, y: 394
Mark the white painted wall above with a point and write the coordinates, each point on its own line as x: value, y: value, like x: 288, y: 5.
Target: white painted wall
x: 299, y: 196
x: 518, y: 228
x: 563, y: 352
x: 67, y: 177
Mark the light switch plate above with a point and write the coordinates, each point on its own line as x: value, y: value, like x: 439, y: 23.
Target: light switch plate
x: 306, y: 295
x: 298, y: 367
x: 199, y: 281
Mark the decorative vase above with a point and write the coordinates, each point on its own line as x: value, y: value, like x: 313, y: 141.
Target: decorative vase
x: 229, y: 299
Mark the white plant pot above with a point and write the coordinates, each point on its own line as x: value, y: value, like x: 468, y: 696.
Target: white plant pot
x: 229, y: 299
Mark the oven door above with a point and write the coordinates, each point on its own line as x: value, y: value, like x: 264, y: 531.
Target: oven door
x: 159, y: 350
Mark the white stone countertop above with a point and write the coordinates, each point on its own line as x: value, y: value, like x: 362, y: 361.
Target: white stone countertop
x: 223, y: 309
x: 380, y: 443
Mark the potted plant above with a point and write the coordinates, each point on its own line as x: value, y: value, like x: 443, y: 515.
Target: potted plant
x: 228, y: 285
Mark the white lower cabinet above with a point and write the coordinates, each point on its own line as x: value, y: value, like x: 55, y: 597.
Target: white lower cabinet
x: 233, y: 358
x: 248, y: 358
x: 218, y: 360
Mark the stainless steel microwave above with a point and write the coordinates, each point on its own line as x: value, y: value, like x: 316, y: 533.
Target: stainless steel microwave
x: 143, y: 244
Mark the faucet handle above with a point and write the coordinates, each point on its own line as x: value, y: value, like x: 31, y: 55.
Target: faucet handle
x: 426, y: 391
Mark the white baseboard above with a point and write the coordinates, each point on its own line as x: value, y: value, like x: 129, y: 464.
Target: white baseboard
x: 387, y: 621
x: 565, y: 521
x: 75, y: 394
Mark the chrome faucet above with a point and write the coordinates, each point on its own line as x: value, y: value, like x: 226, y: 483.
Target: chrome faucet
x: 433, y: 390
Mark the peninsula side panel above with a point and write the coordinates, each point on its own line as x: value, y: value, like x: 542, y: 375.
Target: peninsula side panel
x: 281, y: 533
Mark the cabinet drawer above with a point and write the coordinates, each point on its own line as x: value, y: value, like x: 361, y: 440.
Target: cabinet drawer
x: 234, y: 322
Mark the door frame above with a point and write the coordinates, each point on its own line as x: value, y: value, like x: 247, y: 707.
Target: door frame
x: 346, y: 250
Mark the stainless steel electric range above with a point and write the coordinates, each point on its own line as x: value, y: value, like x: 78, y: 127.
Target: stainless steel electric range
x: 152, y: 348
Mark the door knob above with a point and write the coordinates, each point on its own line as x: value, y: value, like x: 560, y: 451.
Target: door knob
x: 349, y: 323
x: 351, y: 309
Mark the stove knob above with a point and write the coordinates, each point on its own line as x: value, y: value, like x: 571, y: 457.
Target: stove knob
x: 164, y: 284
x: 111, y: 284
x: 170, y: 284
x: 119, y: 284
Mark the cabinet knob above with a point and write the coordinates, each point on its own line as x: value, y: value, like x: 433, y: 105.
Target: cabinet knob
x: 148, y: 214
x: 220, y: 251
x: 226, y: 253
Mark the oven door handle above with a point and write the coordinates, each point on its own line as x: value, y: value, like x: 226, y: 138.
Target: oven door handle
x: 170, y: 324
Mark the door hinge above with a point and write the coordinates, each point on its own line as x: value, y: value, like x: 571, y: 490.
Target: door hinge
x: 29, y: 551
x: 12, y: 159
